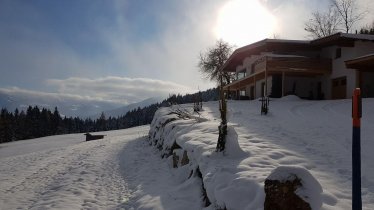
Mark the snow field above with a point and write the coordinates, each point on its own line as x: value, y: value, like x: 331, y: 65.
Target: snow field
x: 120, y: 171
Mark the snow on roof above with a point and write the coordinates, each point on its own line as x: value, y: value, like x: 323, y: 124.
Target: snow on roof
x: 287, y: 41
x: 283, y: 55
x: 264, y: 41
x: 358, y: 36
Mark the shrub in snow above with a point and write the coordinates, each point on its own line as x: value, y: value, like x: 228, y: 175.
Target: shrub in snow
x: 292, y: 188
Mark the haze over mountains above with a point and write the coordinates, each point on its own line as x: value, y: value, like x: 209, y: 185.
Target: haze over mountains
x: 124, y: 109
x: 69, y: 106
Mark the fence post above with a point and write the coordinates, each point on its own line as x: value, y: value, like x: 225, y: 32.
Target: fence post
x: 356, y: 150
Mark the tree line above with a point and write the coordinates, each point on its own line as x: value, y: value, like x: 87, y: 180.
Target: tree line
x: 38, y: 122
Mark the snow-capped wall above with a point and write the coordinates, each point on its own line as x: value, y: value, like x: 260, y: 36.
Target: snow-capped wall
x: 228, y: 178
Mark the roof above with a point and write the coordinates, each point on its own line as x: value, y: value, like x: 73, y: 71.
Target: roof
x: 341, y: 39
x: 265, y: 45
x: 268, y: 45
x: 365, y: 62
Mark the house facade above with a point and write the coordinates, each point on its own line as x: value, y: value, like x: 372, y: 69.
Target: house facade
x: 325, y: 68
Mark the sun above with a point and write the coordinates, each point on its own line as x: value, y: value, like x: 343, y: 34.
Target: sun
x: 241, y: 22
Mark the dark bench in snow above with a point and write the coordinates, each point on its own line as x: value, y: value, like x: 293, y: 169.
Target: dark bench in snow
x: 90, y: 137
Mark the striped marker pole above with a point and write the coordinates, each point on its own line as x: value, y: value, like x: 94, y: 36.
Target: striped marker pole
x: 356, y: 150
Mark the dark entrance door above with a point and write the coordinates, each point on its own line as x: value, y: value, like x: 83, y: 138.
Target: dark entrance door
x: 263, y: 89
x: 320, y: 95
x: 339, y: 88
x: 276, y: 88
x: 252, y: 92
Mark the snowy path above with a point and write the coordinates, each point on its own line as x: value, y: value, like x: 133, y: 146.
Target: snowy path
x: 119, y: 172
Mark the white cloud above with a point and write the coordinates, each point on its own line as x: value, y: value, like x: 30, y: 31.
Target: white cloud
x: 118, y: 89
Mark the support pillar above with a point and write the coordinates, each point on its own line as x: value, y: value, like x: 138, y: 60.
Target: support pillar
x: 254, y: 82
x: 266, y: 78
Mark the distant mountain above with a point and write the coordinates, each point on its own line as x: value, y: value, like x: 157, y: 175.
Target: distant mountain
x: 69, y: 107
x: 124, y: 109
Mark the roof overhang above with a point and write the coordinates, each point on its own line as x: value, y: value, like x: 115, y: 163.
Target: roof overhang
x: 363, y: 63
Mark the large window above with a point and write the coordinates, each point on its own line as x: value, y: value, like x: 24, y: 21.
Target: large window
x: 241, y: 74
x: 338, y: 53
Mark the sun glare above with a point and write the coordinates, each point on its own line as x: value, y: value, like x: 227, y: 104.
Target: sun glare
x: 241, y: 22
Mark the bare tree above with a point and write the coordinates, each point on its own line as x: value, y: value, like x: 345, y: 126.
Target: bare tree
x: 210, y: 65
x: 323, y: 24
x: 212, y: 60
x: 340, y: 16
x: 348, y: 12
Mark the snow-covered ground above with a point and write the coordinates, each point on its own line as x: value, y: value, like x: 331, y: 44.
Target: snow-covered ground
x: 301, y: 135
x: 64, y: 172
x: 123, y: 172
x: 314, y: 134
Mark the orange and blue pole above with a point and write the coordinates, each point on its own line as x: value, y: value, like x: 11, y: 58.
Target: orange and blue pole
x: 356, y: 150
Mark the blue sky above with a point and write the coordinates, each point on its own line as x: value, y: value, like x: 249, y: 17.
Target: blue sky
x: 121, y: 50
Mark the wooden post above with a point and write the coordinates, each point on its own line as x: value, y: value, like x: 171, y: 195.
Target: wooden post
x: 266, y: 78
x: 356, y: 150
x: 283, y: 74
